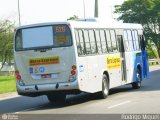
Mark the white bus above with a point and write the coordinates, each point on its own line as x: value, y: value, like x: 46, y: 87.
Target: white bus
x: 60, y: 58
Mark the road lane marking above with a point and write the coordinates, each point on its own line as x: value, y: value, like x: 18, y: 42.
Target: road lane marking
x: 118, y: 104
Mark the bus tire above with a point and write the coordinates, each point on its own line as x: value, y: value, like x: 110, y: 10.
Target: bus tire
x: 105, y: 87
x: 137, y: 84
x: 56, y: 98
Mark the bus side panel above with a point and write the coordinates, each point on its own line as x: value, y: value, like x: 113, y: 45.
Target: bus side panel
x: 114, y: 68
x: 129, y: 67
x: 88, y: 74
x: 140, y: 59
x: 132, y: 65
x: 137, y: 60
x: 91, y: 69
x: 82, y: 73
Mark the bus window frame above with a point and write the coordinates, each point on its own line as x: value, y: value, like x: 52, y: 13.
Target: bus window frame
x: 43, y: 47
x: 105, y: 36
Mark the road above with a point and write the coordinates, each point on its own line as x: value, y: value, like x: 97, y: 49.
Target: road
x: 122, y: 100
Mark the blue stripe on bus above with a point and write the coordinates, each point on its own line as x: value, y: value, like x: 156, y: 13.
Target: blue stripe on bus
x: 137, y: 60
x: 141, y: 59
x: 146, y: 64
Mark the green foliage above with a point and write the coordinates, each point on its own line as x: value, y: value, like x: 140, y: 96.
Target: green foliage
x: 74, y: 17
x: 6, y: 41
x: 135, y: 11
x: 145, y: 12
x: 152, y: 54
x: 151, y: 50
x: 7, y: 84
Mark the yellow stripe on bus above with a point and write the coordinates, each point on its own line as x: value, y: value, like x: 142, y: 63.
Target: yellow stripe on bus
x: 44, y: 61
x: 113, y: 61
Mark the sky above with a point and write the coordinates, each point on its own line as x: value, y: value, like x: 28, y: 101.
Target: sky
x: 39, y: 11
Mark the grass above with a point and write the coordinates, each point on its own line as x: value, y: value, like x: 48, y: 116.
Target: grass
x: 7, y: 84
x: 153, y: 64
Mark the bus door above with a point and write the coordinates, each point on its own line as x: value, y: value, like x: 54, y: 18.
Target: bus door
x: 122, y: 54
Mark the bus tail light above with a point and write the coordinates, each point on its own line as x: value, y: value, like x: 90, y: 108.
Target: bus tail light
x: 72, y: 77
x: 73, y: 72
x: 18, y: 76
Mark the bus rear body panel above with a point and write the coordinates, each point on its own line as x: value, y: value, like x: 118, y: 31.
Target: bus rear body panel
x: 49, y: 67
x: 45, y: 59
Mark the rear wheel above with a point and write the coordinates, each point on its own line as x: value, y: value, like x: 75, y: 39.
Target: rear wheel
x: 137, y: 84
x: 56, y: 98
x: 105, y: 87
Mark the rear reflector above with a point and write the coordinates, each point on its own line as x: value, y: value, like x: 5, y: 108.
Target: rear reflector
x: 73, y: 67
x: 17, y: 72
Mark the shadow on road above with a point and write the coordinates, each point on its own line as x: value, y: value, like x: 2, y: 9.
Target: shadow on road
x: 152, y: 84
x: 71, y: 101
x: 20, y: 104
x: 23, y: 103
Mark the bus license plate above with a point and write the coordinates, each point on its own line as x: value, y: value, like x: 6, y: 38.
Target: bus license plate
x: 55, y: 75
x: 46, y: 76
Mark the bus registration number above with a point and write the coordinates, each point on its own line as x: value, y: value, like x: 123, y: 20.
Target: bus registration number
x: 60, y: 29
x: 46, y: 76
x: 53, y: 75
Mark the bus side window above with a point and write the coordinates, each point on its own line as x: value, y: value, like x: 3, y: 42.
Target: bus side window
x: 137, y: 41
x: 98, y: 41
x: 120, y: 43
x: 108, y: 37
x: 134, y: 40
x: 131, y: 48
x: 79, y: 48
x: 126, y: 41
x: 114, y: 42
x: 87, y: 42
x: 103, y: 41
x: 142, y: 42
x: 82, y: 44
x: 19, y: 41
x: 92, y: 42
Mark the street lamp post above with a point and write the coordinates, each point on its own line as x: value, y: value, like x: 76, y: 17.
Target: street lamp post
x: 96, y: 9
x: 19, y: 15
x: 84, y: 9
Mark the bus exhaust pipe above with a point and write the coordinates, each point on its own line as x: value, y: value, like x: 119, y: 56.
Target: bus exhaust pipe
x: 57, y: 86
x: 36, y: 87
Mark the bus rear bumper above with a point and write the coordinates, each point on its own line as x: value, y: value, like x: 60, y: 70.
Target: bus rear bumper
x: 42, y: 89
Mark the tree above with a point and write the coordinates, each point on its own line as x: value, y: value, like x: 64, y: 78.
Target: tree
x: 74, y: 17
x: 145, y: 12
x: 6, y: 42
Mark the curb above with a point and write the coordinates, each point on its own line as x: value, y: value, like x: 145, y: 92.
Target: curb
x: 5, y: 96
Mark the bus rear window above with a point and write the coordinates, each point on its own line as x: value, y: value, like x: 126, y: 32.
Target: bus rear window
x: 43, y: 37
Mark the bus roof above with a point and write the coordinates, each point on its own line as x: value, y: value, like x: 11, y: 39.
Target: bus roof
x: 90, y: 24
x: 111, y: 24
